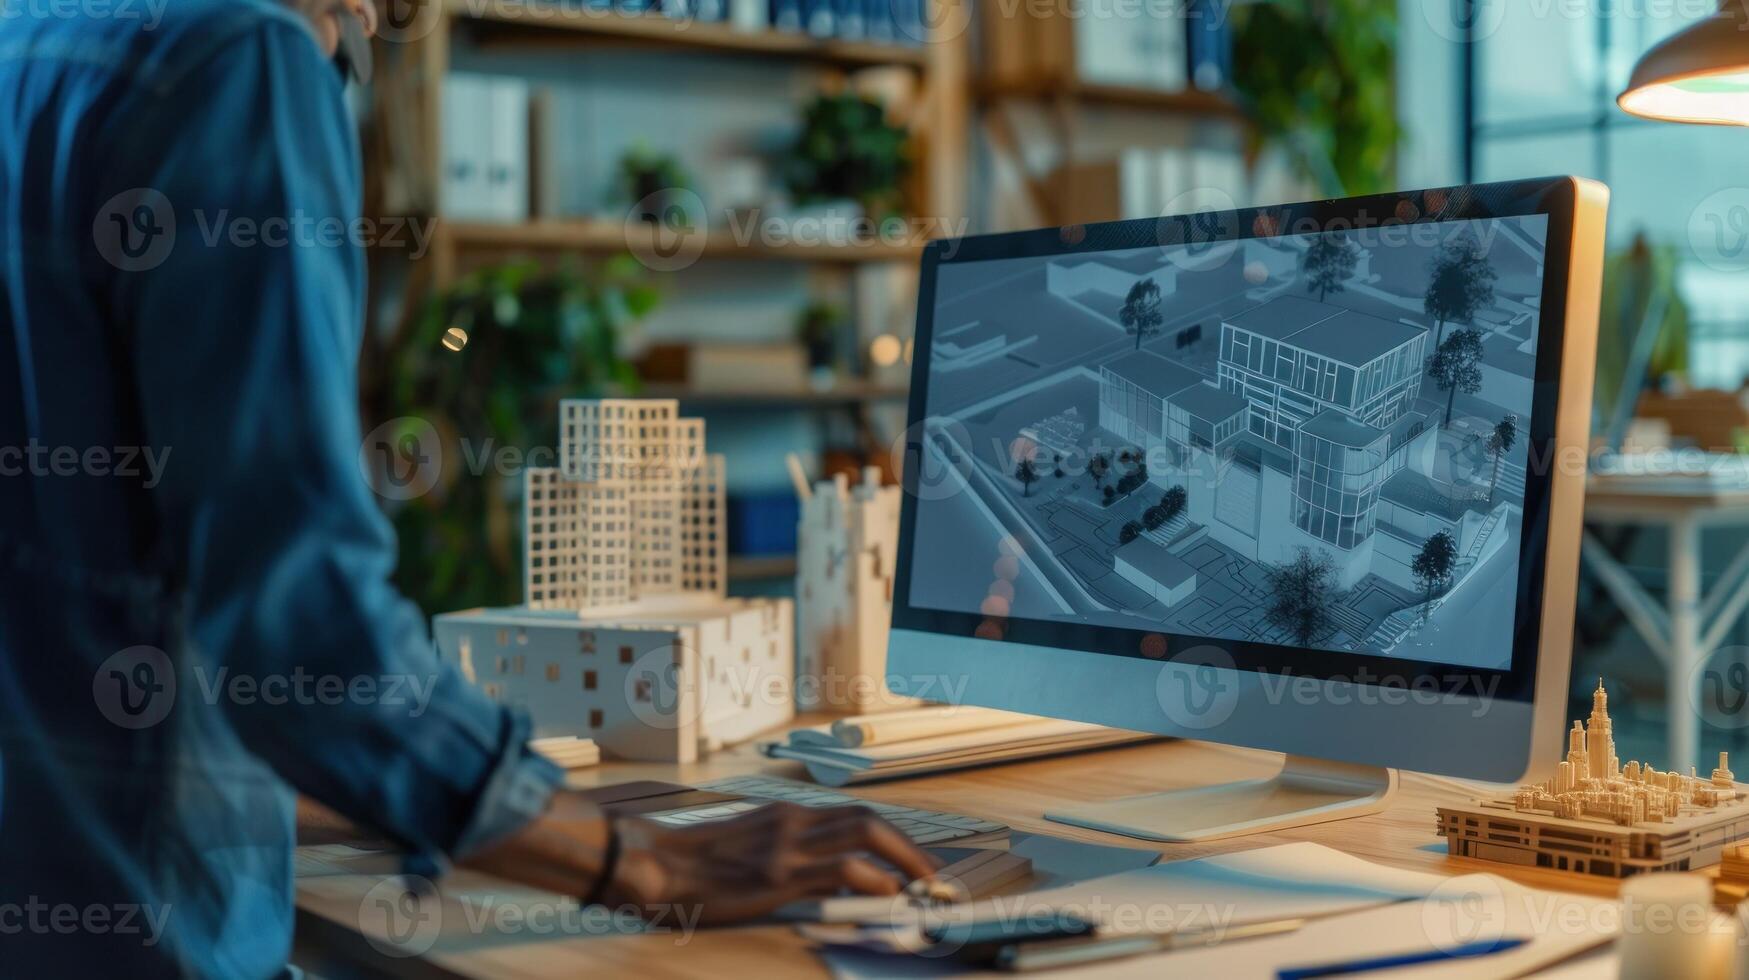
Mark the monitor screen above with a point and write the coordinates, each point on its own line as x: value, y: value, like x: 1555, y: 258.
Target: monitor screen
x: 1312, y: 442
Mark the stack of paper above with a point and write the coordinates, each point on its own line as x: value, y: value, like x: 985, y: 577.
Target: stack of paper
x: 905, y: 743
x: 1352, y: 910
x: 568, y: 751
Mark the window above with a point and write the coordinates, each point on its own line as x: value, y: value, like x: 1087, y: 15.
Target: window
x: 1543, y: 81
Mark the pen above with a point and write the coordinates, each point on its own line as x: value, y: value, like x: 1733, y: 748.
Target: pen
x: 1483, y: 948
x: 1054, y: 953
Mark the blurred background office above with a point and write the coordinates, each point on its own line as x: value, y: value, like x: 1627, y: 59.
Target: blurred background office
x: 722, y: 201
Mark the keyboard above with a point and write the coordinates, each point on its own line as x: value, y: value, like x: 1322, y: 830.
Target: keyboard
x: 924, y: 827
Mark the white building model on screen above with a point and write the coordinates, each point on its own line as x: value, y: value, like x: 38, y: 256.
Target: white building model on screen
x: 847, y: 548
x: 626, y: 635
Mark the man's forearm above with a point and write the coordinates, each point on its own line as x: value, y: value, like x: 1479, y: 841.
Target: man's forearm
x: 563, y: 850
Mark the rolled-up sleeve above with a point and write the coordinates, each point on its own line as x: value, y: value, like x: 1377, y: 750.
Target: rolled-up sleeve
x: 244, y: 342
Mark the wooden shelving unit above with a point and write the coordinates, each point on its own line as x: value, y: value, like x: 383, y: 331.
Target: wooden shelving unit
x: 408, y: 156
x: 937, y: 121
x: 547, y: 24
x: 845, y: 393
x: 1213, y: 105
x: 597, y: 237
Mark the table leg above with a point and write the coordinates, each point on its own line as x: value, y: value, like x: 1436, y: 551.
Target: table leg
x: 1686, y: 653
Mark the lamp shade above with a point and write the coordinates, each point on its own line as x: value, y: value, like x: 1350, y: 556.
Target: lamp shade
x: 1697, y: 75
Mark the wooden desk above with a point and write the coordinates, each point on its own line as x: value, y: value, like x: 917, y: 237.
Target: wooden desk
x: 328, y: 908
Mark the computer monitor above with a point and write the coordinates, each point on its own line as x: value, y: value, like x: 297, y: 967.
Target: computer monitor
x: 1306, y: 478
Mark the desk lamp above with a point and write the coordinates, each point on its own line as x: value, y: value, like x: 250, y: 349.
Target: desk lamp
x: 1697, y: 75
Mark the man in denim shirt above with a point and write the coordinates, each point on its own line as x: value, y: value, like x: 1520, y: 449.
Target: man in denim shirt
x: 191, y: 565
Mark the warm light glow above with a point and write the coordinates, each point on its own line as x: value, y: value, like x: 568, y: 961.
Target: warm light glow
x: 455, y: 338
x: 1721, y: 98
x: 885, y: 350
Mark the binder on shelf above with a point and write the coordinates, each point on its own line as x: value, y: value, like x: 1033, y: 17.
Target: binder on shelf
x: 848, y: 20
x: 467, y: 103
x: 1210, y: 47
x: 786, y: 15
x: 751, y: 15
x: 1113, y: 47
x: 877, y: 19
x: 507, y: 156
x: 911, y: 23
x: 818, y: 17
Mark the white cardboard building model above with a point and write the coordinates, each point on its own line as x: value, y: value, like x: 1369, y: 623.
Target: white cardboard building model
x: 626, y: 635
x: 847, y: 547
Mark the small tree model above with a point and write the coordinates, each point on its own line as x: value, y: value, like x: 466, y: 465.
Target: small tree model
x: 1500, y: 443
x: 1329, y: 263
x: 1460, y: 282
x: 1457, y: 366
x: 1098, y: 467
x: 1027, y: 474
x: 1433, y: 566
x: 1141, y: 314
x: 1154, y: 517
x: 1173, y: 501
x: 1302, y: 593
x: 1130, y: 531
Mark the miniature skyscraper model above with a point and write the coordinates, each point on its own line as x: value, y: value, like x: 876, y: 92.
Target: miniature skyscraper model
x: 1598, y: 816
x: 626, y: 618
x: 847, y: 547
x: 632, y: 513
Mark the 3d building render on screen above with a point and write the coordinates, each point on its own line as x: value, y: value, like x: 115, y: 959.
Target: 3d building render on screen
x: 1312, y: 440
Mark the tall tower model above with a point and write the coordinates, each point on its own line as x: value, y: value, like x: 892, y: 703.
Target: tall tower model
x: 627, y: 636
x: 632, y: 512
x: 847, y: 546
x: 1599, y: 737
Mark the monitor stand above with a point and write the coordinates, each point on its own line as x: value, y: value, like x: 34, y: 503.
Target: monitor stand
x: 1306, y: 791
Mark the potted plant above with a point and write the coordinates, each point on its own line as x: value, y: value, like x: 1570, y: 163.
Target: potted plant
x: 651, y: 183
x: 821, y: 329
x: 485, y: 364
x: 848, y: 151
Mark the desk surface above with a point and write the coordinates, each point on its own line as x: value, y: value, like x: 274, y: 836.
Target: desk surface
x: 1016, y: 794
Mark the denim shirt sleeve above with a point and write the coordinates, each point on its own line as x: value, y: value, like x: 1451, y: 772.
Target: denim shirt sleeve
x: 244, y: 339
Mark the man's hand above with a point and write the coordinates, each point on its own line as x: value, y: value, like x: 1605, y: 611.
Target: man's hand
x: 752, y: 864
x: 324, y: 17
x: 730, y: 870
